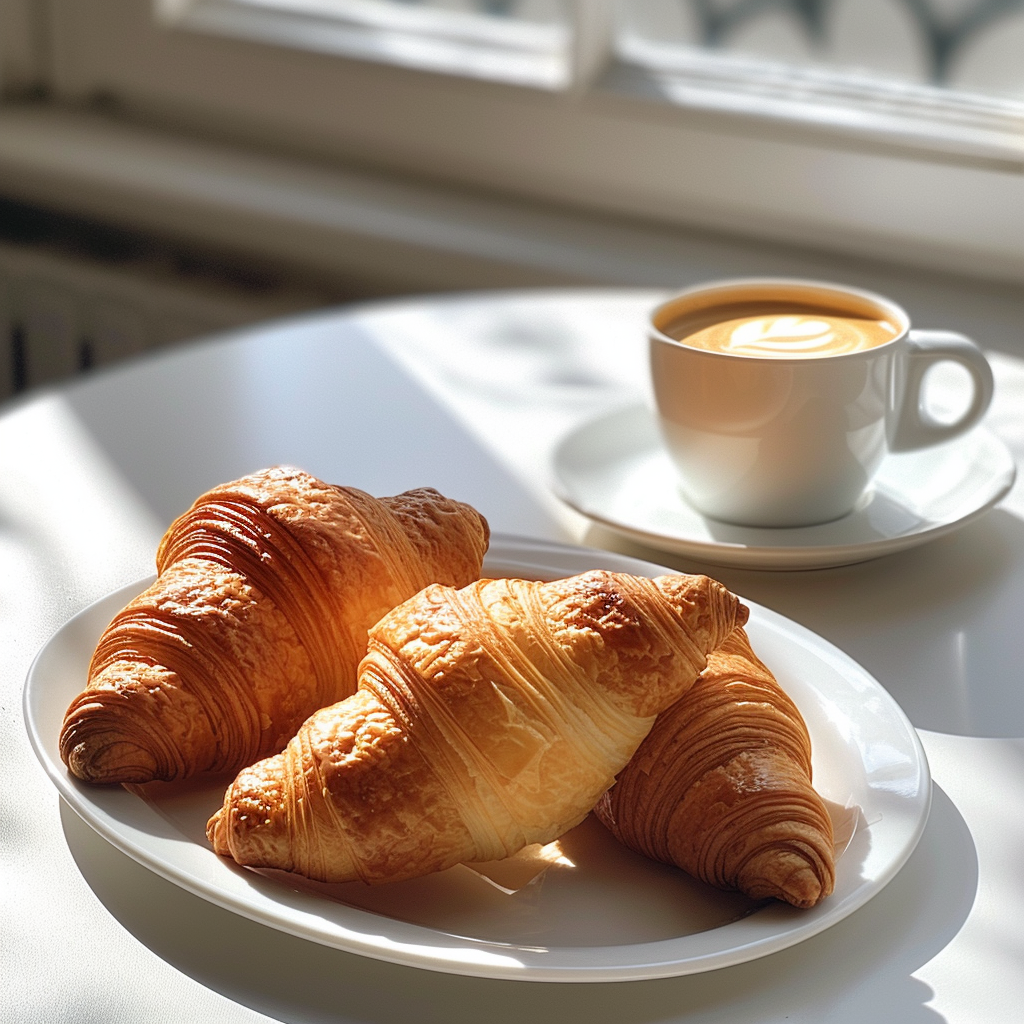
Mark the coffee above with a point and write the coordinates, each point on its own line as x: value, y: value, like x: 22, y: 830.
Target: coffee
x: 782, y: 329
x: 796, y: 438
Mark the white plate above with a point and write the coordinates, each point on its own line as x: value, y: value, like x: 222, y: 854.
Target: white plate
x: 614, y: 470
x: 613, y: 916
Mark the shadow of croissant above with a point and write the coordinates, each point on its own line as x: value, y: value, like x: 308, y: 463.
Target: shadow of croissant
x: 860, y: 969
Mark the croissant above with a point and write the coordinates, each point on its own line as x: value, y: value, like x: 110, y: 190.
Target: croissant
x: 486, y: 719
x: 258, y: 617
x: 721, y: 787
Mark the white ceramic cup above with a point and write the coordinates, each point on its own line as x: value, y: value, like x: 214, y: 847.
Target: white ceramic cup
x: 795, y: 441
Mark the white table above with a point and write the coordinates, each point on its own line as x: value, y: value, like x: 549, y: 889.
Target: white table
x: 469, y: 394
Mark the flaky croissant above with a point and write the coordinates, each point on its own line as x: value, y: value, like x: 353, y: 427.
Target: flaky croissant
x: 486, y: 719
x: 266, y: 589
x: 721, y: 787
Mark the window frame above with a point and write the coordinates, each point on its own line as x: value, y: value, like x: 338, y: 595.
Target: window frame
x: 23, y: 47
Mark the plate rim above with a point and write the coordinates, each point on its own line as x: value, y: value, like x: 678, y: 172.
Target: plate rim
x: 772, y: 557
x: 467, y: 956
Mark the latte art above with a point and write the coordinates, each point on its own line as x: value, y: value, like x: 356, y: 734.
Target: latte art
x: 782, y: 333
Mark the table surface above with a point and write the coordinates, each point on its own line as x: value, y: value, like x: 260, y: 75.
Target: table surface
x: 469, y: 394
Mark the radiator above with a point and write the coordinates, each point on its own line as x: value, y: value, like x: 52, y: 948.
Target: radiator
x: 64, y: 312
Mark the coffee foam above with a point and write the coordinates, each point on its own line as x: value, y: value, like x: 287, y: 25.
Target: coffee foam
x: 782, y: 330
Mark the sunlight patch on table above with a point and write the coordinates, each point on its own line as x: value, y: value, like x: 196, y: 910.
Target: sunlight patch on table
x: 82, y: 522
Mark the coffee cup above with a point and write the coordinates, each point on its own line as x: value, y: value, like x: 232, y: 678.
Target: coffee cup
x: 778, y: 399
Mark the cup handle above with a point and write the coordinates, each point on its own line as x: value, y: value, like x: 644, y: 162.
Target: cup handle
x: 915, y: 428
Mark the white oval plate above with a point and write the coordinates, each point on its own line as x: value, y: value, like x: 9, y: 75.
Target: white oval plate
x: 604, y: 914
x: 615, y: 471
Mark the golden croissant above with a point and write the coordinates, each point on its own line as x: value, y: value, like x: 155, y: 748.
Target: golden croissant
x: 258, y: 617
x: 486, y: 719
x: 721, y: 787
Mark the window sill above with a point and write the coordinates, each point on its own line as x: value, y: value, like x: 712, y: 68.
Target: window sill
x: 400, y: 234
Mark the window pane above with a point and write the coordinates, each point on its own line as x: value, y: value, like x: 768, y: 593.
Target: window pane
x: 431, y: 12
x: 971, y: 45
x: 544, y: 11
x: 518, y: 41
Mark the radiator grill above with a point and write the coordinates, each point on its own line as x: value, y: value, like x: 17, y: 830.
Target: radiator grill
x: 75, y: 295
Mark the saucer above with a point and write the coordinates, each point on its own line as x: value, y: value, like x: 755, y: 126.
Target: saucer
x: 614, y: 470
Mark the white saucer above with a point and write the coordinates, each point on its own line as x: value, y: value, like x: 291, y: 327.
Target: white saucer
x: 615, y: 471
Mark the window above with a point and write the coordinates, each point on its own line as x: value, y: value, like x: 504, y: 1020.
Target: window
x: 884, y: 127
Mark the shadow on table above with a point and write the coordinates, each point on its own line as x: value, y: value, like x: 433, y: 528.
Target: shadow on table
x: 297, y: 981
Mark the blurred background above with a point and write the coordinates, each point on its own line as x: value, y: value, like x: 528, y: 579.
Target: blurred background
x: 169, y: 168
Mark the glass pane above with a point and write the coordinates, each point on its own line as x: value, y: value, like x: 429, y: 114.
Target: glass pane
x: 542, y: 11
x: 517, y: 41
x: 971, y: 45
x: 509, y: 13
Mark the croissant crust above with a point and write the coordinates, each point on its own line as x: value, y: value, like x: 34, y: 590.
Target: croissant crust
x: 258, y: 617
x: 721, y: 787
x: 486, y: 718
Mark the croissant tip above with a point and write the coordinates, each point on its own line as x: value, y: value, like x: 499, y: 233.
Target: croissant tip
x: 802, y: 887
x: 102, y: 759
